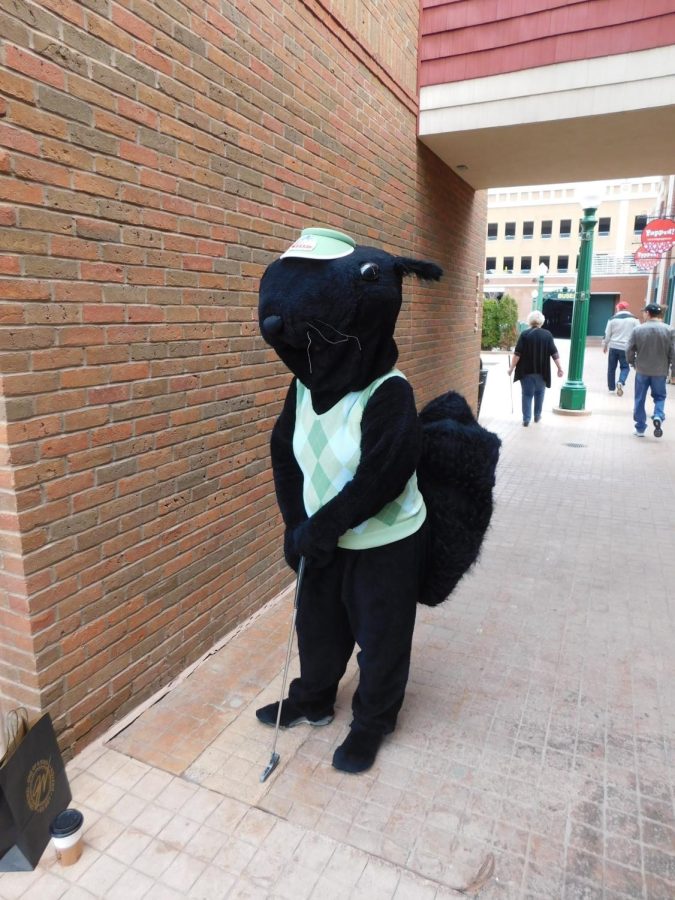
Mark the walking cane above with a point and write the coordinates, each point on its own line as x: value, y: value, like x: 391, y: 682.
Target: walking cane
x: 510, y: 384
x: 274, y: 757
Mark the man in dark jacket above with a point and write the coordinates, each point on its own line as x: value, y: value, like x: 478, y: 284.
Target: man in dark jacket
x: 651, y: 349
x: 532, y: 362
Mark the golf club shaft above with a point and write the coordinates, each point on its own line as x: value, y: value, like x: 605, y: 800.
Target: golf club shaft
x: 298, y: 585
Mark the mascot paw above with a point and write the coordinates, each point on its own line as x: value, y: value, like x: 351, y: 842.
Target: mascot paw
x: 290, y: 715
x: 304, y: 541
x: 358, y: 752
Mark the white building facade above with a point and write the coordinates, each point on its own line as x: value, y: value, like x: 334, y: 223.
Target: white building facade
x: 532, y: 248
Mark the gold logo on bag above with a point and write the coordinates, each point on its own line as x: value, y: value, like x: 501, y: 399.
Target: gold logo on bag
x: 40, y: 785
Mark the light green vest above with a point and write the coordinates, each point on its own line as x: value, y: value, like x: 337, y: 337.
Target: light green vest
x: 328, y: 449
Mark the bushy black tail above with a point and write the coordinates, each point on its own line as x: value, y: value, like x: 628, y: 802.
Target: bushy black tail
x: 456, y: 475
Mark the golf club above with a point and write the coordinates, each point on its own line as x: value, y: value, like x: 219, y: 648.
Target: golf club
x: 274, y: 757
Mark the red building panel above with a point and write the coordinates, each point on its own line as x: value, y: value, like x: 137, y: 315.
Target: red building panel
x: 473, y: 38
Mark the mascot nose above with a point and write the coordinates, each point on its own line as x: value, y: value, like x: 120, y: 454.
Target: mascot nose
x: 272, y: 325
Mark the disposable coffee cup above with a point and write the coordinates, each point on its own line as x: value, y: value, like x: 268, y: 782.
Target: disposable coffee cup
x: 66, y: 832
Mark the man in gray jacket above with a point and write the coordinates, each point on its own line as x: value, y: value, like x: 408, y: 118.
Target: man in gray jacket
x: 651, y: 349
x: 619, y: 328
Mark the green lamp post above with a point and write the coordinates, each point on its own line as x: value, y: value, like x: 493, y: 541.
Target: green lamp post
x: 543, y: 269
x: 573, y: 391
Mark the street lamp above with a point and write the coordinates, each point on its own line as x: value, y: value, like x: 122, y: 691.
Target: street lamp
x: 543, y: 269
x: 573, y: 391
x: 535, y: 294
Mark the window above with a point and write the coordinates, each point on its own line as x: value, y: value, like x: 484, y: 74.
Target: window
x: 576, y: 264
x: 546, y: 260
x: 492, y: 231
x: 565, y: 227
x: 547, y: 228
x: 525, y: 263
x: 563, y: 263
x: 603, y: 226
x: 510, y: 231
x: 490, y: 263
x: 639, y: 224
x: 528, y: 229
x: 508, y: 264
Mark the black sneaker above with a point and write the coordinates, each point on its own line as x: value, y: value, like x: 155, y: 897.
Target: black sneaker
x: 291, y: 715
x: 357, y: 753
x: 658, y: 431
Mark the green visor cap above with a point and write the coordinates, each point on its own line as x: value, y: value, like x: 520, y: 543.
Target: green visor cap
x: 320, y: 243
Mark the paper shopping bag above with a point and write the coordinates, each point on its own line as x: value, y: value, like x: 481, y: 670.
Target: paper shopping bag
x: 33, y: 790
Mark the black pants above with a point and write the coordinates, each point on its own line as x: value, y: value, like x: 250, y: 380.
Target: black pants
x: 367, y: 597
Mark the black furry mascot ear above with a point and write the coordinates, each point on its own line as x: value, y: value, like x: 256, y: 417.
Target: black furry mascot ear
x: 386, y: 507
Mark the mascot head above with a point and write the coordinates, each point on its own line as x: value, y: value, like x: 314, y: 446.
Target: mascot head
x: 328, y: 308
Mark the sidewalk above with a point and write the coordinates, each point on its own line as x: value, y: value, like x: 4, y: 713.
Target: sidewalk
x: 538, y: 724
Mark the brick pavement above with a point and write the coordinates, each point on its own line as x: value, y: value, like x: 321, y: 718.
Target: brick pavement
x: 538, y: 724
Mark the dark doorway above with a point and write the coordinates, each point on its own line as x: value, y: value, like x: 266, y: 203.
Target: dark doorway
x: 558, y: 317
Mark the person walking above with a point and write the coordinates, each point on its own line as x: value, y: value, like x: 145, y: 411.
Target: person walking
x: 619, y: 328
x: 651, y: 350
x: 531, y: 360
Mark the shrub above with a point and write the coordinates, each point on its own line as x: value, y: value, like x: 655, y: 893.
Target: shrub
x: 500, y: 320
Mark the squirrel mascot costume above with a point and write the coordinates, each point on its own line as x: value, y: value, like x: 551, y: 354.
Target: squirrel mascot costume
x: 389, y: 508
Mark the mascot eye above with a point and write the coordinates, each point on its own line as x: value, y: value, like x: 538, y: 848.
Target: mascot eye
x: 370, y: 271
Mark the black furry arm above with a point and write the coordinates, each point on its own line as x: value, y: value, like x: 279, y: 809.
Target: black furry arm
x: 287, y: 474
x: 390, y: 448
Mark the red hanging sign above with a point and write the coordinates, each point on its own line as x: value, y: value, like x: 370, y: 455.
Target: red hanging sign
x: 658, y: 236
x: 645, y: 259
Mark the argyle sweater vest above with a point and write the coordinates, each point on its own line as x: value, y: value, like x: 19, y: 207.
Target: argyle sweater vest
x: 327, y: 448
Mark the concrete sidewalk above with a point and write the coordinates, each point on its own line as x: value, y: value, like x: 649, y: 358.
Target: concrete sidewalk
x: 538, y: 725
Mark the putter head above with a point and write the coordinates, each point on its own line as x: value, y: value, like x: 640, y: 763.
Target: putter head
x: 271, y: 766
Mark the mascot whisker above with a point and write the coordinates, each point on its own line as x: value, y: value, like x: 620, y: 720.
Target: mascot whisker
x: 343, y: 339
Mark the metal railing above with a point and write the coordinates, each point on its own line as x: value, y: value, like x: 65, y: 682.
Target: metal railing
x: 606, y: 264
x: 603, y: 264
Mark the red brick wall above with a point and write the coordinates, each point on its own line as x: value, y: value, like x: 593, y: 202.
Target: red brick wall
x: 631, y: 289
x: 152, y: 163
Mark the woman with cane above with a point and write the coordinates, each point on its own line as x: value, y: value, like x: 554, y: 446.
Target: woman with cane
x: 532, y: 363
